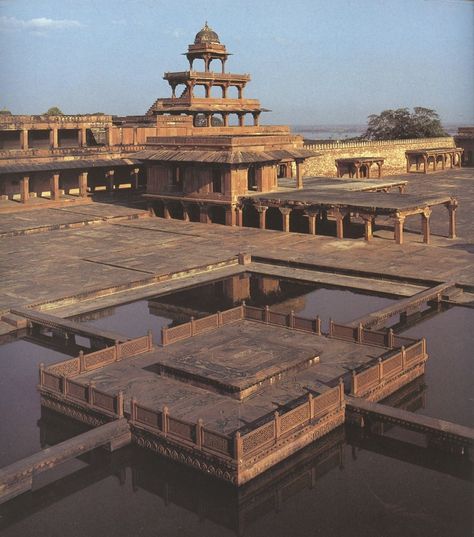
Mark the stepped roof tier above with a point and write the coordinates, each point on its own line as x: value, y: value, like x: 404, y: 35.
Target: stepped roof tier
x: 184, y: 87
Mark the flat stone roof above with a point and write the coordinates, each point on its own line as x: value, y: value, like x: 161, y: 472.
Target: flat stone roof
x: 206, y: 355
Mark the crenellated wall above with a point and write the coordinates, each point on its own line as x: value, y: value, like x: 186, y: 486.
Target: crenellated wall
x: 393, y: 151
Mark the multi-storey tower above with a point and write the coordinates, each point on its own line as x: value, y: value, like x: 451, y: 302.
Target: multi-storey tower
x: 208, y: 110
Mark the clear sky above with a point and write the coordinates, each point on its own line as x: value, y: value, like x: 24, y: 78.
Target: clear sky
x: 311, y: 61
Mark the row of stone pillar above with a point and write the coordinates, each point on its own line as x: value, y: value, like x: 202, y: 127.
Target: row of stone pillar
x: 82, y: 184
x: 234, y: 217
x: 454, y: 158
x: 356, y: 171
x: 225, y: 118
x: 54, y: 138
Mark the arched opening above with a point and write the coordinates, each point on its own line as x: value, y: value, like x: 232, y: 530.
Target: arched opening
x: 194, y: 212
x: 217, y: 120
x: 198, y: 64
x: 217, y: 92
x: 251, y: 178
x: 199, y: 91
x: 233, y: 120
x: 248, y: 120
x: 217, y: 214
x: 200, y: 120
x: 233, y: 92
x: 299, y: 221
x: 250, y: 216
x: 158, y: 208
x: 181, y: 90
x: 175, y: 209
x: 274, y: 219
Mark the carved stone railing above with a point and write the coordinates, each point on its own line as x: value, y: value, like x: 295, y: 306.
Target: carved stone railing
x: 85, y: 393
x: 95, y: 360
x: 280, y: 425
x: 388, y: 367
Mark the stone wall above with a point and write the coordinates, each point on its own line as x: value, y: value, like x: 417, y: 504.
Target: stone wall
x: 393, y: 151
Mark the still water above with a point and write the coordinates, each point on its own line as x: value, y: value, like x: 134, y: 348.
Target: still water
x: 348, y: 484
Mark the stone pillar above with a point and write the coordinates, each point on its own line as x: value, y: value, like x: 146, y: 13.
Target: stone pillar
x: 54, y: 186
x: 24, y: 139
x: 398, y: 224
x: 208, y: 120
x: 240, y: 215
x: 367, y: 167
x: 225, y: 116
x: 261, y: 214
x: 25, y: 188
x: 240, y: 92
x: 208, y: 90
x: 53, y: 138
x: 368, y: 228
x: 357, y: 170
x: 299, y: 175
x: 134, y: 174
x: 379, y: 166
x: 82, y: 137
x: 166, y: 211
x: 425, y: 164
x: 109, y: 176
x: 408, y: 163
x: 256, y: 119
x: 339, y: 224
x: 452, y: 218
x: 230, y: 215
x: 425, y: 225
x: 286, y: 211
x: 204, y: 215
x: 83, y: 184
x: 241, y: 119
x: 312, y: 220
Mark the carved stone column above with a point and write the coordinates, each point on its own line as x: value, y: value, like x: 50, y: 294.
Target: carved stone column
x: 53, y: 138
x: 398, y: 224
x: 339, y: 224
x: 109, y: 177
x: 24, y: 139
x: 134, y: 175
x: 312, y: 222
x: 299, y: 175
x: 452, y: 218
x: 425, y: 225
x: 83, y: 184
x: 25, y: 188
x: 261, y: 214
x: 240, y: 215
x: 54, y: 186
x: 368, y: 226
x: 230, y: 215
x: 286, y: 211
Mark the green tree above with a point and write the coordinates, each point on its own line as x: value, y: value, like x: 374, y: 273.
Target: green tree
x: 54, y: 111
x: 402, y: 124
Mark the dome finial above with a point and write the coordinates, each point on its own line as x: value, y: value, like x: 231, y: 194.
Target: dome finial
x: 206, y: 35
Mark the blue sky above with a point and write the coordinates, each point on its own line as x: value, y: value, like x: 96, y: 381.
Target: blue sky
x: 311, y: 61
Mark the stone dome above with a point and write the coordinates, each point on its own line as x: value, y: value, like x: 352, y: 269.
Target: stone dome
x: 206, y: 35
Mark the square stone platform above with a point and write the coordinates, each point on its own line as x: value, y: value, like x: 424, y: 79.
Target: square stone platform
x: 204, y: 376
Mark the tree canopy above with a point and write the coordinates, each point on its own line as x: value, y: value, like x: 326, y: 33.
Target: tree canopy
x: 54, y: 111
x: 403, y: 124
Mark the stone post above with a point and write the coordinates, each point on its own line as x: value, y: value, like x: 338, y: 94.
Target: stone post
x: 286, y: 211
x: 82, y: 137
x: 240, y: 215
x: 199, y: 433
x: 90, y: 392
x: 83, y: 184
x: 24, y: 139
x: 266, y: 314
x: 134, y: 173
x: 299, y: 175
x: 339, y: 224
x: 311, y: 406
x: 53, y: 138
x: 25, y: 188
x: 230, y: 215
x: 54, y: 186
x: 341, y: 392
x: 164, y: 336
x: 164, y: 420
x: 398, y: 224
x: 368, y: 229
x: 120, y: 404
x: 425, y: 225
x: 452, y: 218
x: 261, y: 214
x: 380, y: 369
x: 276, y: 416
x: 41, y: 374
x: 312, y: 222
x: 354, y: 386
x: 237, y: 446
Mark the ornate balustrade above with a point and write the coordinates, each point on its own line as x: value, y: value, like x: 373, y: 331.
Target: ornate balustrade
x: 388, y: 367
x: 95, y: 360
